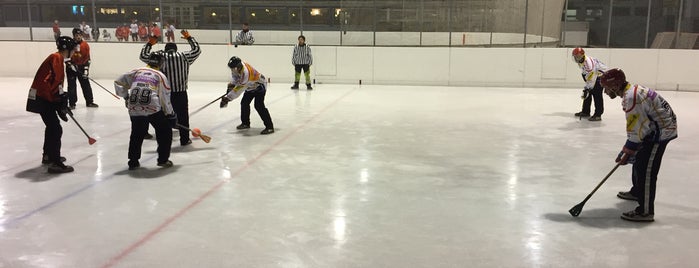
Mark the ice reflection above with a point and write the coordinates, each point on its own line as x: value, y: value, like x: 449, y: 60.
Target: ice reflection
x: 3, y: 210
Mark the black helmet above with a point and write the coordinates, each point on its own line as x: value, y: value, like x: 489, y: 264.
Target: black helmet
x: 234, y: 62
x: 155, y: 59
x: 77, y: 31
x: 170, y: 47
x: 65, y: 43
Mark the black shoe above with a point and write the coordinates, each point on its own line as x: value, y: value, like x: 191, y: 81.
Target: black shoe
x: 627, y: 196
x: 267, y: 131
x: 242, y: 126
x: 45, y: 160
x: 581, y: 114
x: 56, y: 168
x: 635, y: 216
x: 133, y: 164
x: 309, y: 87
x: 188, y: 142
x: 165, y: 164
x: 595, y: 118
x: 92, y: 105
x: 148, y: 136
x: 295, y: 86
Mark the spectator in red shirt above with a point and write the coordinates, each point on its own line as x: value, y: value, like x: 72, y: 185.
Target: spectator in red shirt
x: 155, y: 31
x: 142, y: 32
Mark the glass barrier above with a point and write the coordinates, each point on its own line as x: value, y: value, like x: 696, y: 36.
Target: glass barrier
x: 482, y: 23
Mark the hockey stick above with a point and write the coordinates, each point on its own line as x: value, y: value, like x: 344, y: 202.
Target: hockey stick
x: 90, y: 140
x: 203, y: 137
x: 575, y: 211
x: 105, y: 89
x: 207, y: 105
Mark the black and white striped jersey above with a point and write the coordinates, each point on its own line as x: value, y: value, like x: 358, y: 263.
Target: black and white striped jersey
x: 176, y: 64
x: 302, y: 55
x: 244, y: 38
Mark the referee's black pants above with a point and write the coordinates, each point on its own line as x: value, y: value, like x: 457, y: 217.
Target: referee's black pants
x: 180, y: 103
x: 163, y: 134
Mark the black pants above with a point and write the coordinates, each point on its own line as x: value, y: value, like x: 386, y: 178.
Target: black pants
x: 163, y: 134
x: 259, y: 96
x: 597, y: 94
x: 52, y: 135
x: 306, y: 68
x: 180, y: 103
x: 645, y: 175
x: 84, y: 84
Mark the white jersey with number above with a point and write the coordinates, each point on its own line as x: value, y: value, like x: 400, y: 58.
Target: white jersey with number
x: 591, y: 69
x: 146, y: 90
x: 649, y: 116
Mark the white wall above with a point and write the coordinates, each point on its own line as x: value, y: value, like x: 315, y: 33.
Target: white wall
x: 535, y: 67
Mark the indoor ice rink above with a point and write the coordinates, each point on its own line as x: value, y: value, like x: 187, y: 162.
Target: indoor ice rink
x: 355, y: 176
x: 414, y: 149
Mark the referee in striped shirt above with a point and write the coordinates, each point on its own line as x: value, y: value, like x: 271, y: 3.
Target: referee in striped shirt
x: 302, y: 59
x: 176, y: 69
x: 244, y: 37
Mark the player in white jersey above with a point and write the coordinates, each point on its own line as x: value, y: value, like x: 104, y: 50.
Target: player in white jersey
x: 245, y: 79
x: 147, y: 95
x: 650, y: 126
x: 591, y: 69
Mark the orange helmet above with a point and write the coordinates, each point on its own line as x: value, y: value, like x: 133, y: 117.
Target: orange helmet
x: 578, y: 54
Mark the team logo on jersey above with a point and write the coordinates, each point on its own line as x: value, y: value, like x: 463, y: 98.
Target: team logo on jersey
x: 631, y: 122
x: 652, y: 94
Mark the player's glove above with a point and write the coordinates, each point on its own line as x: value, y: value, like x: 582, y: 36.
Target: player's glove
x: 152, y: 40
x: 86, y: 71
x: 71, y: 69
x: 62, y: 109
x: 172, y: 120
x: 224, y: 102
x: 185, y: 34
x: 626, y: 156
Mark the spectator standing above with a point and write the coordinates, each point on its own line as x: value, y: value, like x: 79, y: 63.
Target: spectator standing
x: 134, y: 30
x: 56, y: 30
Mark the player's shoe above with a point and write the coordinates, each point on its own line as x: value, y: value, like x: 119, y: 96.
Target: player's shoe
x: 635, y: 216
x: 56, y: 168
x: 627, y: 196
x: 165, y: 164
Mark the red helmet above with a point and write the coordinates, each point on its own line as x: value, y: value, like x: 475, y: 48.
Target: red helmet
x: 578, y: 54
x: 613, y: 79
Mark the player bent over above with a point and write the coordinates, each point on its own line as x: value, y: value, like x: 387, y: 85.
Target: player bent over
x: 650, y: 126
x: 244, y: 78
x: 147, y: 95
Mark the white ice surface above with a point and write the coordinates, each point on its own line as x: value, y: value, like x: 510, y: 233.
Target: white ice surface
x: 355, y: 176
